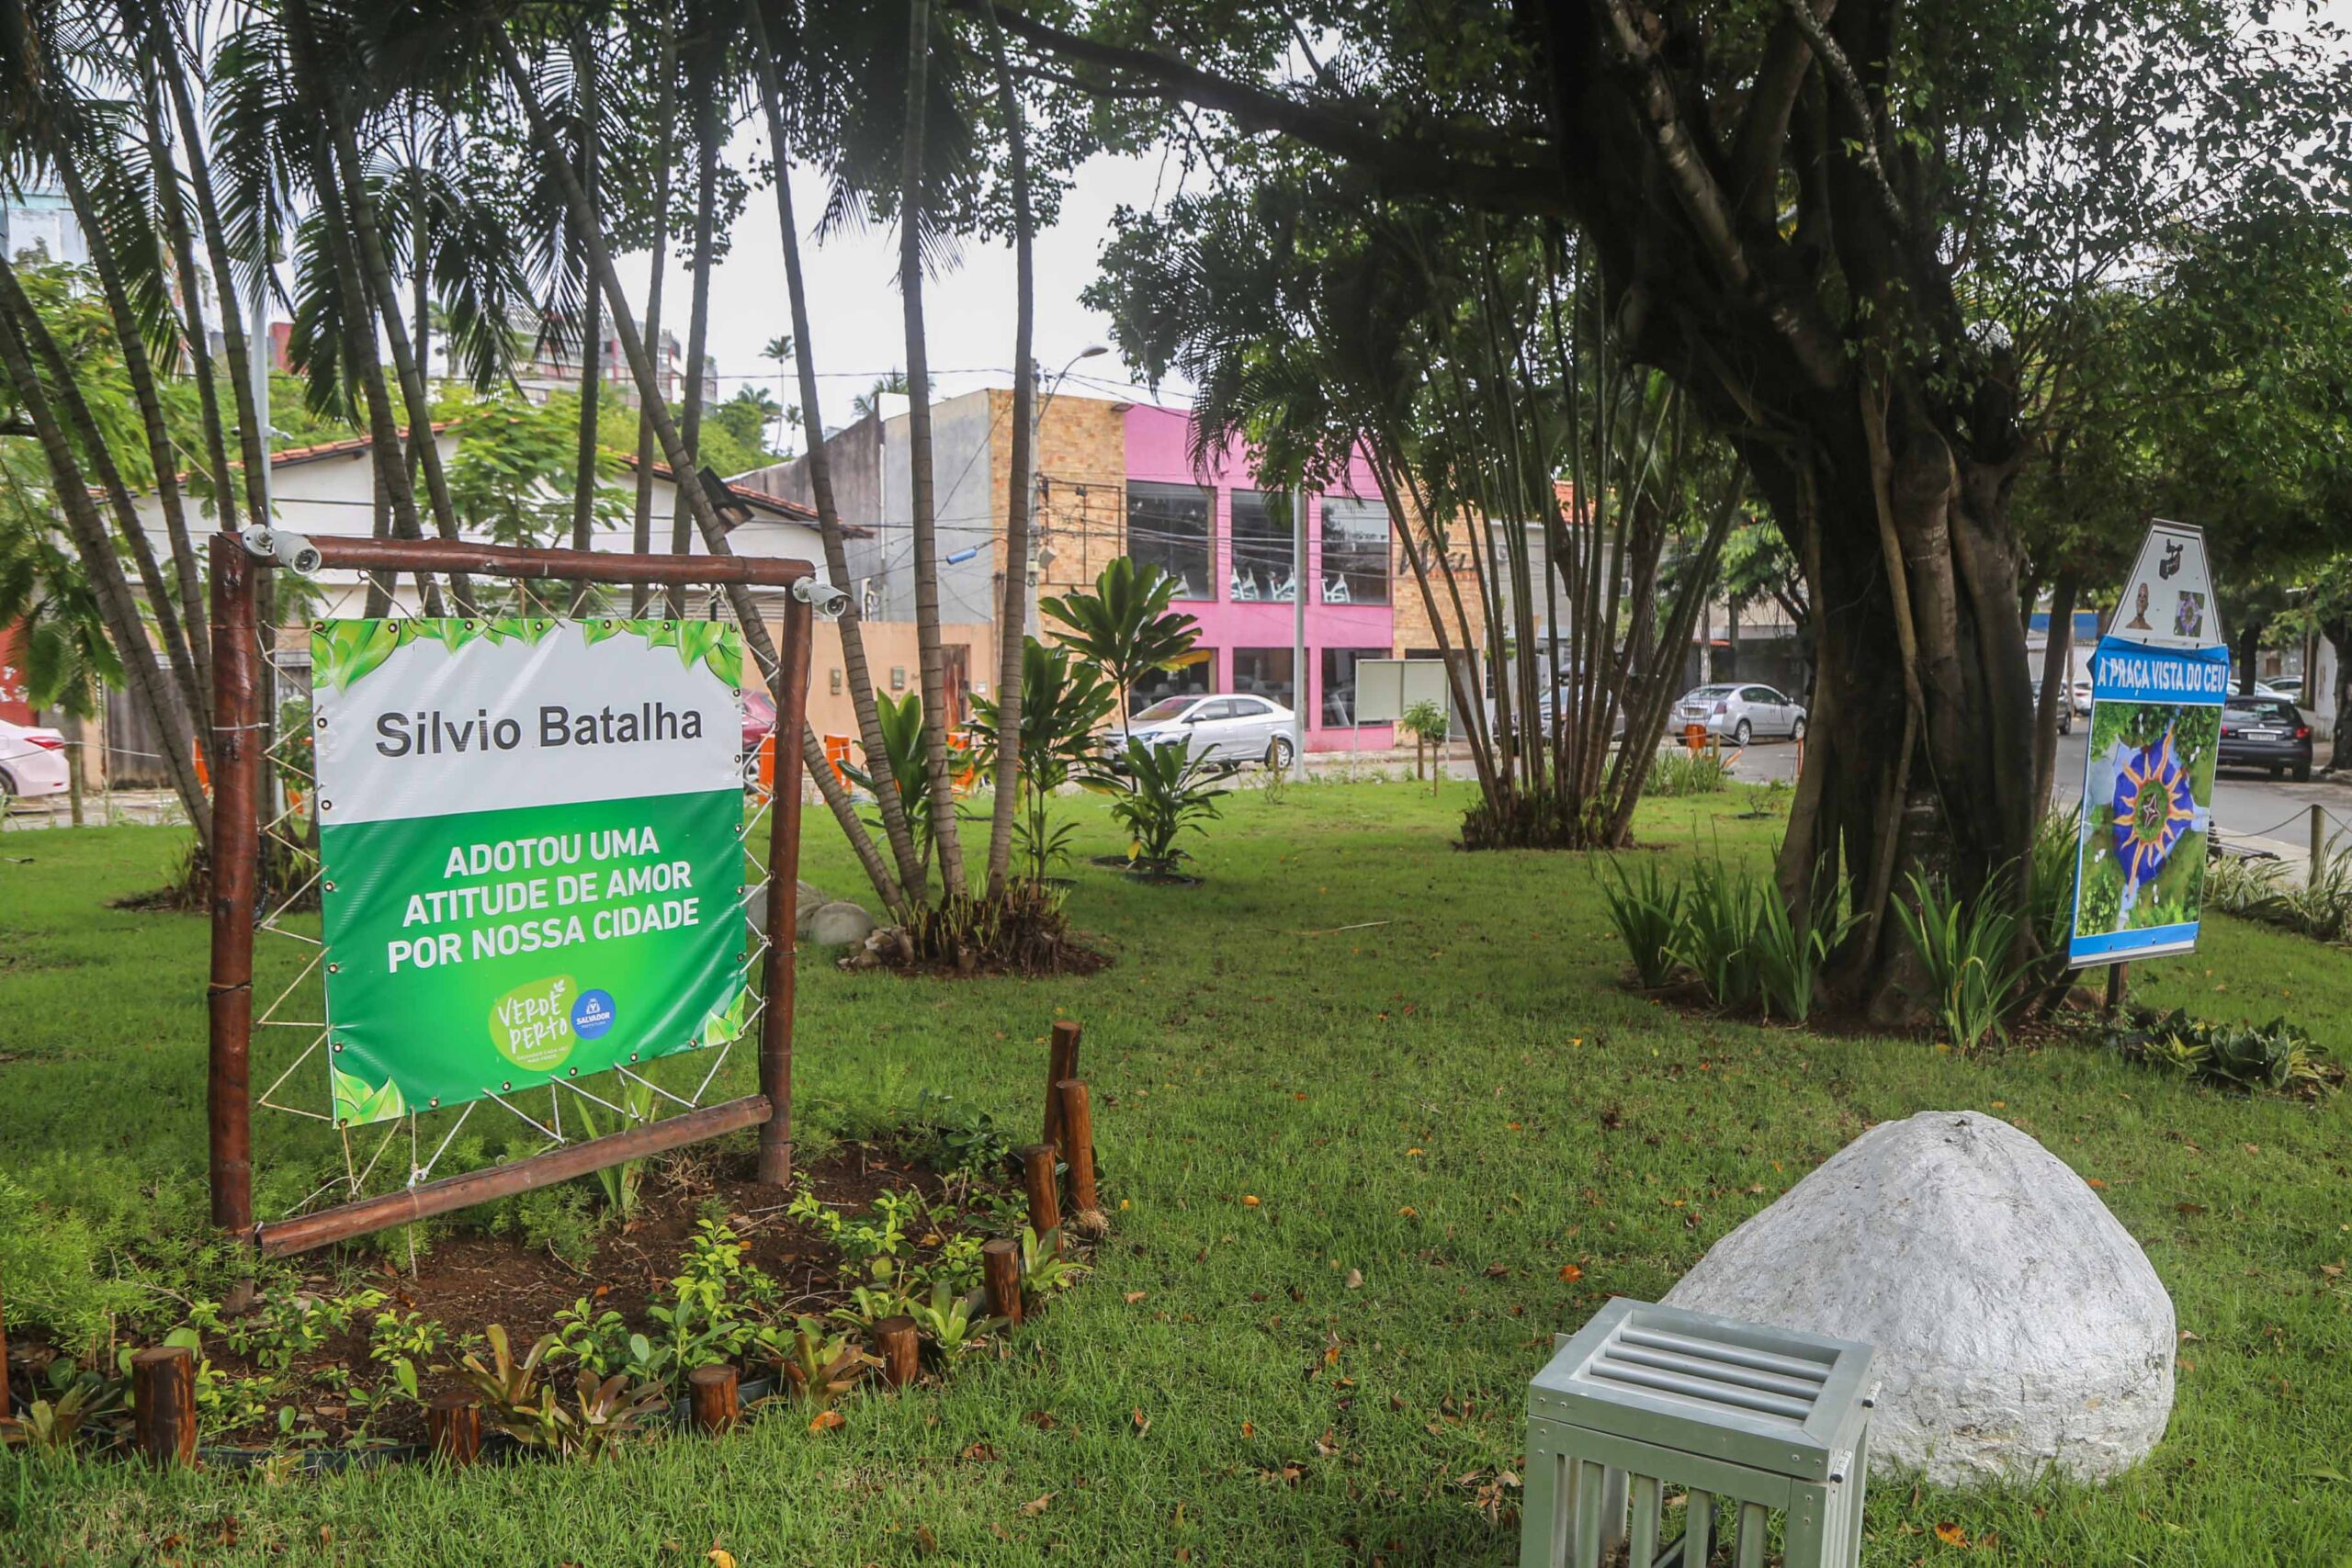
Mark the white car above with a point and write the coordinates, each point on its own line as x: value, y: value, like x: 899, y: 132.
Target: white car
x: 32, y: 763
x: 1738, y: 713
x: 1220, y: 727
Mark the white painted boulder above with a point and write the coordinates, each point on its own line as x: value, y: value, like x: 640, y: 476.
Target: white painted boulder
x: 2020, y: 1328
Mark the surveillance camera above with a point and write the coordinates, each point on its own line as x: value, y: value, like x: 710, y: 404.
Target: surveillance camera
x: 822, y: 596
x: 294, y: 552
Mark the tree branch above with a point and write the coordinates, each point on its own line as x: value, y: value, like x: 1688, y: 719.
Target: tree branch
x: 1465, y: 164
x: 1841, y: 71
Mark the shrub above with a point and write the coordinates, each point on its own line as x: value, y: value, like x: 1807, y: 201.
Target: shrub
x: 1678, y: 772
x: 2322, y: 907
x: 1721, y: 913
x: 1647, y: 913
x: 1965, y: 948
x: 2247, y: 888
x: 1164, y: 791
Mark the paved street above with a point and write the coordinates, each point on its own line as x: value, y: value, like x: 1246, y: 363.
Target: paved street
x: 2249, y: 807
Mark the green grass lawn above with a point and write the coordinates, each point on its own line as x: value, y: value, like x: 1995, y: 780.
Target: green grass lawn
x: 1457, y: 1104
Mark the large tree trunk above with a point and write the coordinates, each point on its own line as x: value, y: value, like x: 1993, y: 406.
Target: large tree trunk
x: 933, y: 657
x: 746, y: 608
x: 117, y: 606
x: 856, y: 673
x: 1012, y: 619
x: 1913, y: 545
x: 697, y: 321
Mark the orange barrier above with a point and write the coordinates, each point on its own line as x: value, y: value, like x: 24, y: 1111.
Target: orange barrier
x: 837, y: 753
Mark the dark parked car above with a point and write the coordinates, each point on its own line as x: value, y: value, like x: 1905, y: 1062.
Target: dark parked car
x: 2266, y: 732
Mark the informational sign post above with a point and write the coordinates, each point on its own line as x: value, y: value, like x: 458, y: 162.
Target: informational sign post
x: 533, y: 861
x: 2158, y: 679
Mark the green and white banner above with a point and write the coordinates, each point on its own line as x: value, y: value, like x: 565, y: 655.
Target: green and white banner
x: 532, y: 866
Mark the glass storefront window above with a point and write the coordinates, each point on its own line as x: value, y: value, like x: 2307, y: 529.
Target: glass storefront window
x: 1339, y: 684
x: 1264, y: 563
x: 1355, y: 551
x: 1265, y: 673
x: 1167, y: 526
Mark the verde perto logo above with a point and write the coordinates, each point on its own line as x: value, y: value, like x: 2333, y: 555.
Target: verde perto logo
x: 521, y: 820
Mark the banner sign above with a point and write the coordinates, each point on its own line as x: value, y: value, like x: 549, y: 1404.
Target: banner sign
x: 2158, y: 679
x: 534, y: 868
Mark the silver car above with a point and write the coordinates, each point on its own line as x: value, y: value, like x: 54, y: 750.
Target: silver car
x: 1738, y: 713
x: 1221, y: 728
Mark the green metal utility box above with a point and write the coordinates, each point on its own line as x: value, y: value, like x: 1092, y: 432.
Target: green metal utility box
x: 1645, y: 1402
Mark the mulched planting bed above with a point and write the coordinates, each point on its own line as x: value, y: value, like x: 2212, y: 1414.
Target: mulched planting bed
x: 340, y: 1396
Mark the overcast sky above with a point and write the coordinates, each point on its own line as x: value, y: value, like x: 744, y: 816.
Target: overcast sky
x: 858, y: 332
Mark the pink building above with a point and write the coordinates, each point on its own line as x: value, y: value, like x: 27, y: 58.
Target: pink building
x: 1231, y: 546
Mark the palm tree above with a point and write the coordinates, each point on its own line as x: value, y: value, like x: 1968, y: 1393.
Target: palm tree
x: 591, y: 333
x: 20, y: 329
x: 856, y: 673
x: 1010, y: 616
x: 664, y: 132
x: 704, y: 68
x: 869, y: 403
x: 674, y: 449
x: 932, y: 655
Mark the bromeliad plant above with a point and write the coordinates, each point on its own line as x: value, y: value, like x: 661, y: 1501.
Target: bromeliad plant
x: 1044, y: 1270
x: 53, y: 1423
x: 816, y: 1370
x: 518, y: 1400
x: 953, y: 1323
x: 1164, y: 791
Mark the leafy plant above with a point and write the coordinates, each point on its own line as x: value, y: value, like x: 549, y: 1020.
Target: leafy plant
x: 952, y: 1322
x: 51, y: 1423
x: 1721, y: 915
x: 1966, y: 952
x: 885, y: 1298
x: 1789, y: 957
x: 1647, y: 913
x: 2275, y: 1056
x: 285, y: 1323
x: 1680, y: 772
x: 1062, y: 701
x: 1125, y: 628
x: 1044, y: 1270
x: 906, y: 768
x: 409, y: 1334
x: 1163, y: 792
x: 960, y: 1144
x: 859, y: 1241
x: 621, y: 1184
x: 516, y: 1399
x: 2249, y: 888
x: 816, y: 1370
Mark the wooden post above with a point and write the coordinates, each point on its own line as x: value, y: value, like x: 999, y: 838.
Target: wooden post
x: 237, y: 735
x: 1061, y: 1063
x: 163, y: 1402
x: 1078, y: 1133
x: 2319, y: 840
x: 791, y: 695
x: 1037, y: 1163
x: 714, y: 1394
x: 898, y: 1349
x: 453, y: 1428
x: 1000, y: 1273
x: 2114, y: 988
x: 6, y: 1405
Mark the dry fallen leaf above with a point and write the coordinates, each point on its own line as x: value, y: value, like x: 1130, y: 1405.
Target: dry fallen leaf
x: 1570, y: 1273
x: 720, y: 1557
x: 2095, y: 1182
x: 1249, y: 1200
x: 1036, y: 1505
x: 825, y: 1422
x: 1133, y: 1296
x: 926, y: 1544
x: 1952, y: 1534
x: 1355, y: 1279
x: 1248, y: 1430
x: 1143, y: 1422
